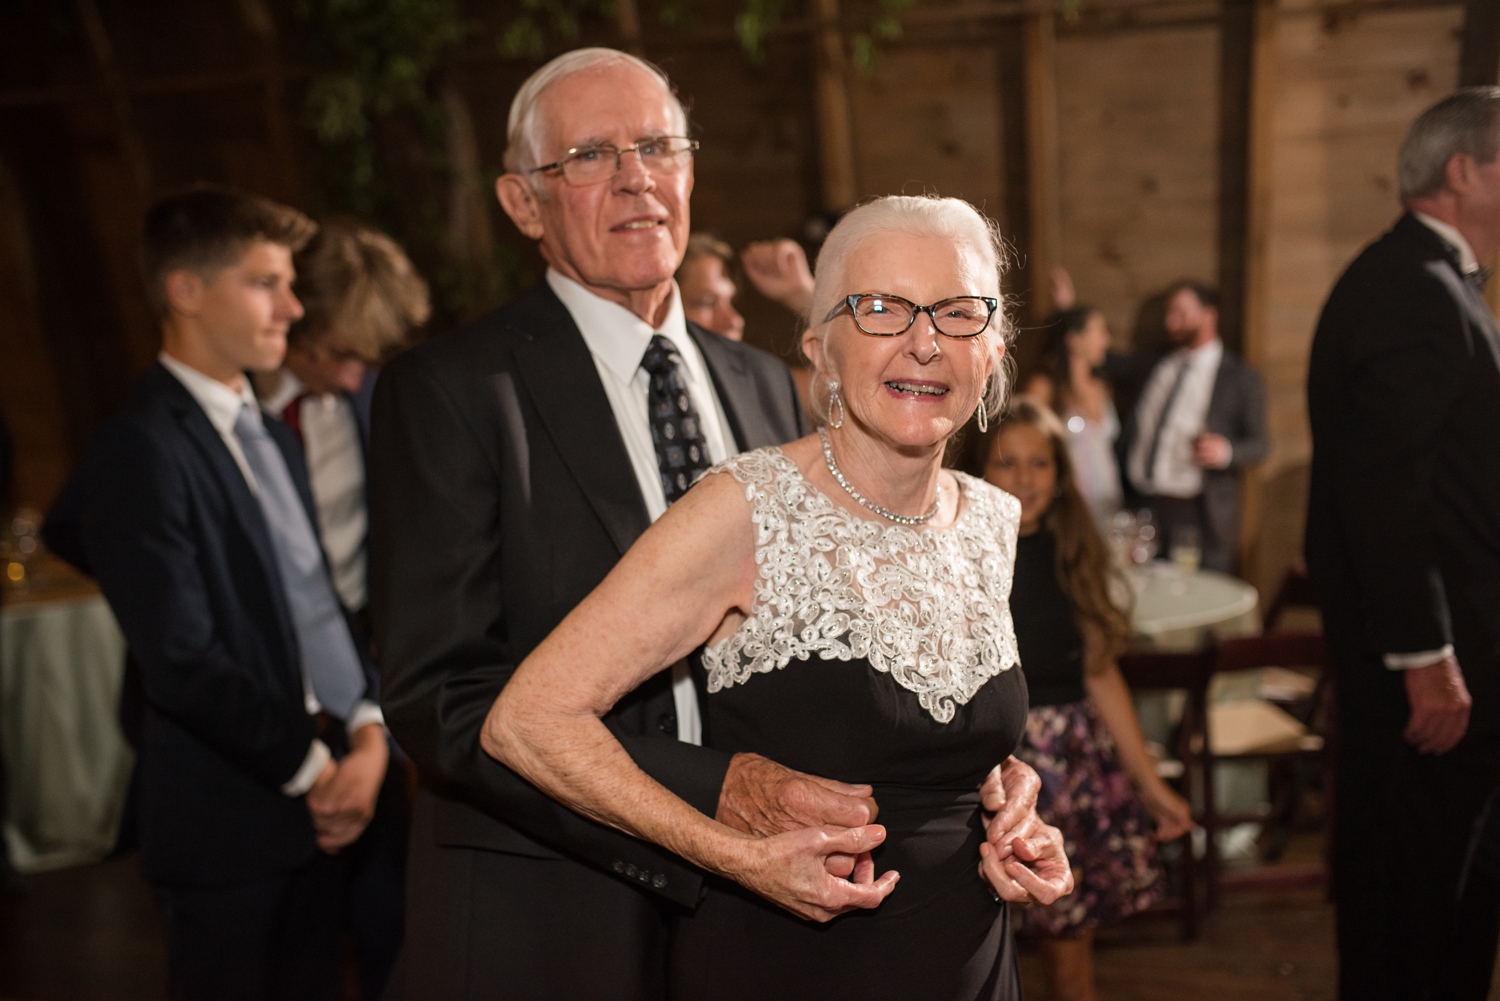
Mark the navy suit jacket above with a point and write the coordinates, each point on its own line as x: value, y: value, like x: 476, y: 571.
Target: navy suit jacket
x: 159, y: 512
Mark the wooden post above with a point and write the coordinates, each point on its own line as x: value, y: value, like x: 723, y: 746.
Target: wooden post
x: 132, y: 149
x: 259, y: 21
x: 628, y: 22
x: 1044, y: 182
x: 1258, y: 196
x: 835, y: 122
x: 471, y: 237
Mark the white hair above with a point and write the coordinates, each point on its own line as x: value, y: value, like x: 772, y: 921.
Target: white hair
x: 1466, y: 121
x: 523, y: 131
x: 917, y: 215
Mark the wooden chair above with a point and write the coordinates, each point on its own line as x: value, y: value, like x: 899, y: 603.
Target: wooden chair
x: 1296, y: 591
x: 1275, y: 649
x: 1188, y: 672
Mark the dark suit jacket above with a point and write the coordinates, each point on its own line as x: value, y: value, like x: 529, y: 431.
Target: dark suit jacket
x: 1236, y: 410
x: 161, y: 515
x: 1403, y: 530
x: 501, y: 495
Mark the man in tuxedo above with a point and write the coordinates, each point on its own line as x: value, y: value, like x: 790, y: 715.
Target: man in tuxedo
x: 1403, y: 543
x: 1201, y: 419
x: 263, y: 750
x: 513, y: 462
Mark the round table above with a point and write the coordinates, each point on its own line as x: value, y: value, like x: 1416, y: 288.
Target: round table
x: 1175, y: 609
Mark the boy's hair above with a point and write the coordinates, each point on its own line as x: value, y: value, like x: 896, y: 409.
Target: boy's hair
x: 359, y: 287
x: 208, y: 227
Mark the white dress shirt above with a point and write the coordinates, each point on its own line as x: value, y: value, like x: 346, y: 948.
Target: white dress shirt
x: 222, y: 406
x: 336, y: 470
x: 617, y: 339
x: 1468, y: 264
x: 1176, y: 474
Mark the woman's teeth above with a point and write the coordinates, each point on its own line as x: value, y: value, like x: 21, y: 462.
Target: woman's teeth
x: 641, y: 224
x: 918, y: 390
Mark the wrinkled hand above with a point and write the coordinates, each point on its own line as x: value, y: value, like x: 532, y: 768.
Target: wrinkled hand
x: 817, y: 873
x: 1173, y: 815
x: 342, y: 800
x: 1212, y: 451
x: 1009, y: 792
x: 778, y: 270
x: 763, y: 798
x: 1034, y: 870
x: 1440, y: 705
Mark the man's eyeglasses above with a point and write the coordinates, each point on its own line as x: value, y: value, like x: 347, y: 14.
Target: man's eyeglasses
x: 883, y: 315
x: 584, y: 165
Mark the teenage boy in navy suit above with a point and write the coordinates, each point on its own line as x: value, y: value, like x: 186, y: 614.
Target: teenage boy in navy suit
x: 263, y: 750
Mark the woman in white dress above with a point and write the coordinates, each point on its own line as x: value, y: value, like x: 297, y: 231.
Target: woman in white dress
x: 1068, y: 381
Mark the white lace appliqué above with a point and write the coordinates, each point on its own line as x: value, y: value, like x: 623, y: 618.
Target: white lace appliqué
x: 929, y: 608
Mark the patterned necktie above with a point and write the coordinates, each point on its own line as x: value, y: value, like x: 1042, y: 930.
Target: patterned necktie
x: 681, y: 451
x: 329, y: 660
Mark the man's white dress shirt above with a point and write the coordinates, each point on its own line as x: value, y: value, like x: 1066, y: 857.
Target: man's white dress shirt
x: 1175, y: 473
x: 336, y: 469
x: 222, y: 406
x: 617, y: 339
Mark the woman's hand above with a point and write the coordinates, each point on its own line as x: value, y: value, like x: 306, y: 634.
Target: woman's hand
x: 816, y: 873
x: 1174, y: 817
x: 1010, y: 793
x: 1032, y: 870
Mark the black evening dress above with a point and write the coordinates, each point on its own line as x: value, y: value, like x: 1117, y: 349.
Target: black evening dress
x: 882, y: 654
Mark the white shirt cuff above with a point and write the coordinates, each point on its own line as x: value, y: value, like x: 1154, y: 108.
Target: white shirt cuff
x: 318, y: 755
x: 1424, y: 658
x: 365, y: 712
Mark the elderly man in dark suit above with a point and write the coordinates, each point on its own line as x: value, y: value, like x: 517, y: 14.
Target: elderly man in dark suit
x: 1200, y: 421
x: 262, y: 750
x: 1403, y: 542
x: 513, y: 462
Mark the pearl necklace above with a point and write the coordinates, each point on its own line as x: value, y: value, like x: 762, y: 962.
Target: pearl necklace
x: 900, y: 519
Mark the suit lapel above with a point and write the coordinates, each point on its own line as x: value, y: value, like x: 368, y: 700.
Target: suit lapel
x: 732, y: 384
x: 215, y: 454
x: 555, y: 365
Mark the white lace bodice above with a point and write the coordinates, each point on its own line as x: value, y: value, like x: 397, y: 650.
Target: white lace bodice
x: 929, y: 608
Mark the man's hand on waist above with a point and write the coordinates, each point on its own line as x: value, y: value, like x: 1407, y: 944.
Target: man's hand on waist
x: 763, y: 798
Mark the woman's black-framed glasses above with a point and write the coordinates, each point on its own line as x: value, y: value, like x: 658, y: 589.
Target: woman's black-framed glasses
x: 584, y: 165
x: 881, y: 315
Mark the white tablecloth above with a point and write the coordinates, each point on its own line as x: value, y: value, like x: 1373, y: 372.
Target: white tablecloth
x: 67, y: 765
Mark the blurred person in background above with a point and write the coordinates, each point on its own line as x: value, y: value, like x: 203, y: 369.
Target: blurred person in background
x: 1200, y: 422
x: 263, y: 752
x: 777, y: 268
x: 362, y: 298
x: 1099, y: 782
x: 1069, y: 380
x: 1403, y: 543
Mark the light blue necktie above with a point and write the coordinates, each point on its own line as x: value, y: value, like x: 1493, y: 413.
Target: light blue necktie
x: 329, y: 660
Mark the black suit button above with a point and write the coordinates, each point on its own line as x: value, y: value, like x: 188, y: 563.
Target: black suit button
x: 619, y: 866
x: 667, y: 724
x: 658, y: 881
x: 644, y: 876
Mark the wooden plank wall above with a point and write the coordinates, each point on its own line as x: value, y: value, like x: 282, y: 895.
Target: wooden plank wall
x: 1139, y: 114
x: 1347, y: 89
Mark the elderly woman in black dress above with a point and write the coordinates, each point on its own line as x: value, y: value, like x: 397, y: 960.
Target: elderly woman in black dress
x: 853, y: 596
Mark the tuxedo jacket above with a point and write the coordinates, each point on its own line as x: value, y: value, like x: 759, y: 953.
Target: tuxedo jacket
x: 160, y: 514
x: 1236, y: 410
x: 1403, y: 531
x: 501, y: 494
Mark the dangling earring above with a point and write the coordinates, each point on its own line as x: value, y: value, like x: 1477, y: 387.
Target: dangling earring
x: 981, y: 417
x: 834, y: 401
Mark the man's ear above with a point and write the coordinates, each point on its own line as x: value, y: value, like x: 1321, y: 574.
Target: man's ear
x: 1458, y: 173
x: 184, y: 291
x: 520, y: 203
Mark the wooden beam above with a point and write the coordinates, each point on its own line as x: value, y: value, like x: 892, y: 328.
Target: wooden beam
x: 258, y: 20
x: 835, y: 124
x: 1479, y: 55
x: 1044, y: 182
x: 132, y: 148
x: 1259, y: 189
